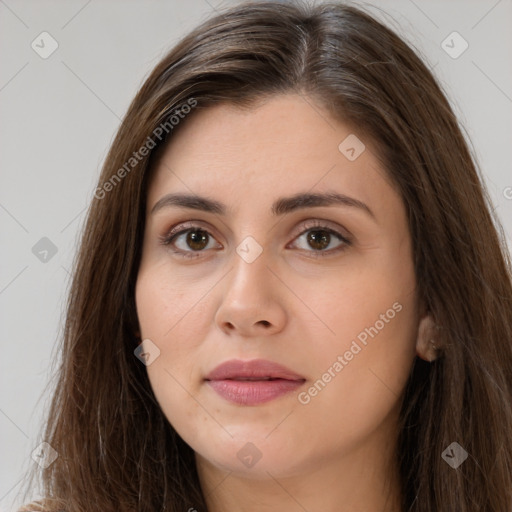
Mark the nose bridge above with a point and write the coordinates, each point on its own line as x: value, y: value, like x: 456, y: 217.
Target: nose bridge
x: 249, y: 269
x: 250, y: 300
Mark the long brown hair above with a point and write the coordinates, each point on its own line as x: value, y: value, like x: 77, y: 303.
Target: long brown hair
x: 117, y: 451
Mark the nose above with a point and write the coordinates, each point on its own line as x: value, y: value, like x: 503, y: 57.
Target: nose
x: 252, y: 303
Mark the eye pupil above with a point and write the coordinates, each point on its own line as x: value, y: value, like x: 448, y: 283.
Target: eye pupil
x: 197, y: 239
x: 319, y: 241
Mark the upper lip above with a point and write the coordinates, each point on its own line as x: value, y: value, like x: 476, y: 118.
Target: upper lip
x: 253, y: 369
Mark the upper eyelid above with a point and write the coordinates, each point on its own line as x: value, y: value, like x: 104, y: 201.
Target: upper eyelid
x: 187, y: 226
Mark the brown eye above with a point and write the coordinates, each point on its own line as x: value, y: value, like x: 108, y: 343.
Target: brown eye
x: 319, y: 239
x: 189, y: 243
x: 197, y: 239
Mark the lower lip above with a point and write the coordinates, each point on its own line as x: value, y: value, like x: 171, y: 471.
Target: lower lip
x: 253, y: 392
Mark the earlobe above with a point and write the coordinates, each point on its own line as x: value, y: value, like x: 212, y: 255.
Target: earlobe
x: 427, y: 343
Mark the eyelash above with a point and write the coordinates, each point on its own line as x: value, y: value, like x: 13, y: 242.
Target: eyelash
x: 169, y: 238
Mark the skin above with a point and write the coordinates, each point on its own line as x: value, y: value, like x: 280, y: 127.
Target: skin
x: 334, y: 453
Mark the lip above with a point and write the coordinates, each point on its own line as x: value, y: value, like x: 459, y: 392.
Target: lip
x: 252, y: 382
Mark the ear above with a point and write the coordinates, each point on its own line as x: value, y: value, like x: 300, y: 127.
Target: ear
x: 427, y: 344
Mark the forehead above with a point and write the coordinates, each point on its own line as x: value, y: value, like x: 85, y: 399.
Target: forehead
x: 284, y: 145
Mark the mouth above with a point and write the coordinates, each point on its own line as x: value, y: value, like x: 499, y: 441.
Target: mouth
x: 253, y: 378
x: 253, y: 382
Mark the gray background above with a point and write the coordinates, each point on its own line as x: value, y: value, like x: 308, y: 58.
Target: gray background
x: 59, y: 115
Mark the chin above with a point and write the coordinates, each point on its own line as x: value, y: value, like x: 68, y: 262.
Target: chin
x: 254, y: 454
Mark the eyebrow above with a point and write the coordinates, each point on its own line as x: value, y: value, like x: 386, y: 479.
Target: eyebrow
x: 281, y: 206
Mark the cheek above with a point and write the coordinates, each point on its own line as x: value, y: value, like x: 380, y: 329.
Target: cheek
x: 371, y: 298
x: 360, y: 368
x: 169, y: 311
x: 356, y: 387
x: 177, y: 400
x: 175, y: 319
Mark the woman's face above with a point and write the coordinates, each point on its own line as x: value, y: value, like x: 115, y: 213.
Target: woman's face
x: 252, y: 272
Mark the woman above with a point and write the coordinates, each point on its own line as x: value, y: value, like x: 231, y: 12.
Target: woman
x: 290, y: 292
